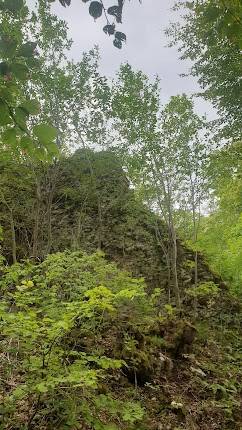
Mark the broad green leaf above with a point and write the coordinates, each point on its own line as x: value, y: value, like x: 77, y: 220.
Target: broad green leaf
x: 20, y: 71
x: 27, y: 49
x: 9, y: 137
x: 53, y: 148
x: 6, y: 94
x: 33, y: 62
x: 12, y: 5
x: 45, y: 133
x: 109, y: 29
x: 31, y: 106
x: 39, y: 153
x: 5, y: 117
x: 95, y: 9
x: 26, y: 142
x: 212, y: 12
x: 117, y: 43
x: 4, y: 68
x: 120, y: 36
x: 21, y: 117
x: 8, y: 46
x: 115, y: 11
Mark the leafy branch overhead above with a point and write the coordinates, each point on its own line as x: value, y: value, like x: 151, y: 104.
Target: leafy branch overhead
x: 113, y: 16
x: 19, y: 60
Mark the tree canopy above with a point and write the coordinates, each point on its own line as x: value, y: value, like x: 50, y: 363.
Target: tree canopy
x: 211, y: 37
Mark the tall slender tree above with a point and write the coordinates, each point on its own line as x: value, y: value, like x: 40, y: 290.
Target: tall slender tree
x: 210, y: 36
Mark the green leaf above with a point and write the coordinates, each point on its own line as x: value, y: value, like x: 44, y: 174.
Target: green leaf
x: 9, y: 137
x: 95, y: 9
x: 38, y: 153
x: 7, y: 95
x: 110, y: 426
x: 4, y: 68
x: 53, y: 149
x: 19, y: 392
x: 21, y: 117
x: 212, y: 12
x: 20, y: 71
x: 116, y: 11
x: 109, y: 29
x: 5, y: 117
x: 8, y: 46
x: 33, y: 62
x: 31, y: 106
x: 45, y: 133
x: 12, y: 5
x: 27, y: 49
x: 65, y: 2
x: 117, y: 43
x: 41, y: 387
x: 26, y: 142
x: 120, y: 36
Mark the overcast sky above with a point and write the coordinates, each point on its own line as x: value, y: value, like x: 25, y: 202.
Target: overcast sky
x: 146, y: 49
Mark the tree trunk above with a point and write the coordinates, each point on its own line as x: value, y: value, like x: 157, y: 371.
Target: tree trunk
x: 194, y: 237
x: 13, y: 235
x: 167, y: 257
x: 94, y: 182
x: 174, y: 266
x: 195, y: 233
x: 52, y: 179
x: 76, y: 232
x: 100, y: 228
x: 36, y: 220
x: 49, y: 224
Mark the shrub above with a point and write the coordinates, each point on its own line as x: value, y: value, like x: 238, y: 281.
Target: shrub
x: 203, y: 290
x: 48, y: 375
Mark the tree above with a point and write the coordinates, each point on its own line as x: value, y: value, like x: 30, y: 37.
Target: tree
x: 16, y: 197
x: 74, y: 99
x: 210, y: 36
x: 220, y: 236
x: 163, y: 153
x: 52, y: 83
x: 179, y: 161
x: 19, y: 59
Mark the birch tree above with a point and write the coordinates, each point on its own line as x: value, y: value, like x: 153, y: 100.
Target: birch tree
x: 163, y: 154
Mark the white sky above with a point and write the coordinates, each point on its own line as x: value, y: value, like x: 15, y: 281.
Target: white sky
x: 146, y: 49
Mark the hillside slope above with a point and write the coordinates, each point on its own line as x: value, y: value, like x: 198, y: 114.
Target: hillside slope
x: 84, y: 201
x: 143, y: 364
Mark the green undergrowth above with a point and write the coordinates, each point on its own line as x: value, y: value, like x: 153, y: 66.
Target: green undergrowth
x: 49, y: 377
x: 83, y: 346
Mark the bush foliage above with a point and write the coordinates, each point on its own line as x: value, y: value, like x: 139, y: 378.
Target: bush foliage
x: 49, y: 376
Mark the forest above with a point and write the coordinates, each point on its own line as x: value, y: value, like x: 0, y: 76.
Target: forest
x: 120, y: 225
